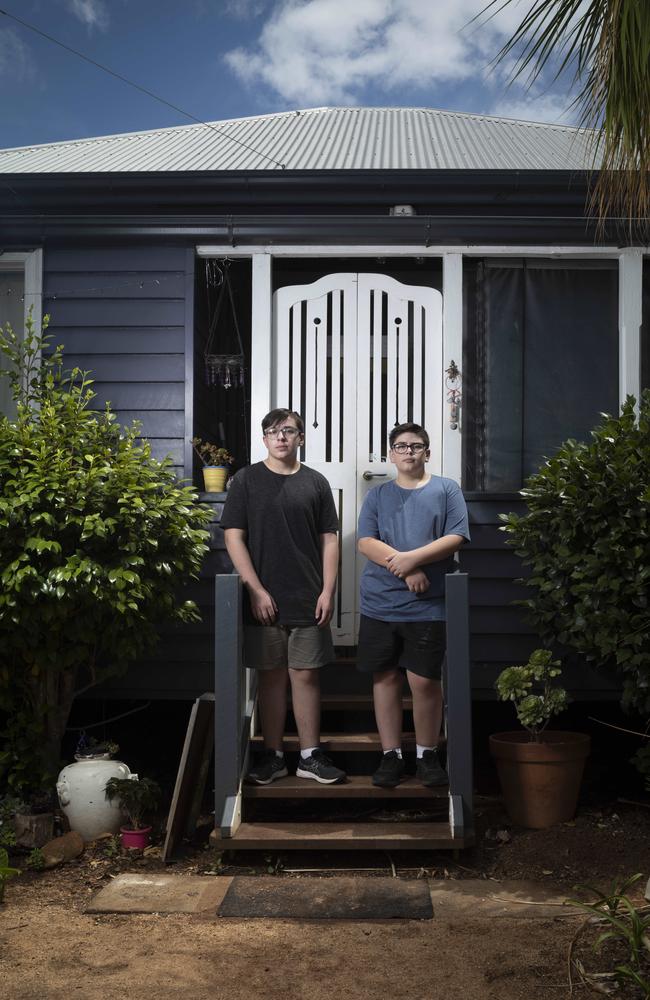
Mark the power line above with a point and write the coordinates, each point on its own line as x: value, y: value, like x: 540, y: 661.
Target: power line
x: 136, y: 86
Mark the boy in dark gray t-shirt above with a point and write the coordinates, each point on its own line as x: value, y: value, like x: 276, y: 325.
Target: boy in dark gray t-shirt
x: 409, y: 529
x: 281, y: 529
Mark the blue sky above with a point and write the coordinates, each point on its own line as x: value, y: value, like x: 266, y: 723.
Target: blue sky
x: 220, y: 59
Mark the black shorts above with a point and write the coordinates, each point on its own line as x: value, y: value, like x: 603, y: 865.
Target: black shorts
x: 415, y: 646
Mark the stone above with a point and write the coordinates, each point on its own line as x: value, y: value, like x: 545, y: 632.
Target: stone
x: 62, y: 849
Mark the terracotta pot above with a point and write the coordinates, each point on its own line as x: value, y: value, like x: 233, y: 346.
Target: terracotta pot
x: 540, y: 781
x: 214, y: 478
x: 138, y: 839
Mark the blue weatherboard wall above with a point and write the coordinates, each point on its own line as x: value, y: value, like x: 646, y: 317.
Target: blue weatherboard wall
x: 122, y: 313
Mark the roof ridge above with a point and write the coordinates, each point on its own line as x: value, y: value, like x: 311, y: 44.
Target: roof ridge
x: 221, y: 124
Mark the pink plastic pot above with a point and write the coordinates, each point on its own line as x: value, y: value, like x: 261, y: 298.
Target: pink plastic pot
x: 135, y: 839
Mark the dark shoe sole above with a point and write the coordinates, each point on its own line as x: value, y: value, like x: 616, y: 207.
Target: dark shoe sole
x: 383, y: 783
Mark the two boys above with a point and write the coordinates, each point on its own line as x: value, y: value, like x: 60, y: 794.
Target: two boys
x: 281, y: 534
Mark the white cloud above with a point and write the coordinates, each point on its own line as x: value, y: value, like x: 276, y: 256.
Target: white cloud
x: 312, y: 52
x: 552, y: 109
x: 15, y: 57
x: 92, y: 13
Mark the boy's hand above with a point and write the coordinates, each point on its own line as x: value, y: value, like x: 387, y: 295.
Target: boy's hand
x: 324, y: 610
x: 401, y: 564
x: 264, y: 608
x: 417, y: 581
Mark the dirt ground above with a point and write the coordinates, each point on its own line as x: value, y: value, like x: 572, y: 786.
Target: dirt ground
x: 50, y: 948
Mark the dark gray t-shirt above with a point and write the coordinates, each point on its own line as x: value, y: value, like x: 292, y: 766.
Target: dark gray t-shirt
x: 283, y: 517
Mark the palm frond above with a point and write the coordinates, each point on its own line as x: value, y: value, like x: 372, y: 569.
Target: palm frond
x: 606, y: 44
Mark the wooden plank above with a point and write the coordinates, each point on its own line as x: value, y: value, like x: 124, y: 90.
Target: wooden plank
x: 355, y: 702
x: 140, y: 395
x: 128, y: 258
x: 191, y: 777
x: 117, y: 312
x: 341, y: 741
x: 153, y: 367
x: 344, y: 836
x: 500, y: 564
x: 356, y: 787
x: 487, y: 511
x: 154, y: 423
x: 122, y: 340
x: 114, y: 285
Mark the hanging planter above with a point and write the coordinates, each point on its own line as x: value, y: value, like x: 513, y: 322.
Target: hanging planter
x: 224, y: 370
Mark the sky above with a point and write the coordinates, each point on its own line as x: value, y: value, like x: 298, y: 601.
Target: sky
x: 221, y: 59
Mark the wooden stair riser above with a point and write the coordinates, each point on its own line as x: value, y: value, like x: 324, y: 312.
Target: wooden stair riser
x: 339, y: 836
x: 356, y: 787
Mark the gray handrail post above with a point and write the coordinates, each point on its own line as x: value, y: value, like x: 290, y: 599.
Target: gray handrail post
x: 459, y: 708
x: 228, y: 695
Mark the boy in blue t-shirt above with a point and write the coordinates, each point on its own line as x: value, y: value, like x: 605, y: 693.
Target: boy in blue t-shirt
x: 409, y: 529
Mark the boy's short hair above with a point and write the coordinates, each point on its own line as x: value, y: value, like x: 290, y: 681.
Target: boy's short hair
x: 278, y: 415
x: 408, y: 429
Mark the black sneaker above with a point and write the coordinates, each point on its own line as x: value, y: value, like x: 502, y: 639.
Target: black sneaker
x: 319, y: 767
x: 430, y: 771
x: 390, y: 771
x: 267, y: 768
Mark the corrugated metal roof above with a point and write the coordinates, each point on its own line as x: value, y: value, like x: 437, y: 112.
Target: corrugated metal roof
x: 321, y: 139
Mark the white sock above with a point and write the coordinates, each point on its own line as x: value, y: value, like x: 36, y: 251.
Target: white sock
x: 307, y: 752
x: 279, y: 753
x: 397, y: 750
x: 420, y: 750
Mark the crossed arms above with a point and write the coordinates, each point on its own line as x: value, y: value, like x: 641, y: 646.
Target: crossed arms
x: 406, y: 565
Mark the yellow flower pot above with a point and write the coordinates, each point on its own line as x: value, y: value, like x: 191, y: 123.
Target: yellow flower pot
x: 214, y: 477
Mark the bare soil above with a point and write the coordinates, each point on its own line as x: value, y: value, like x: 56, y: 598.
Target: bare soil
x: 50, y: 948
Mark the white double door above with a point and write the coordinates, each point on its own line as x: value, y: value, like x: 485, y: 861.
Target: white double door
x: 356, y: 354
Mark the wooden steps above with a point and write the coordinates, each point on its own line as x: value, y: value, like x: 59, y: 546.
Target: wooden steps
x: 356, y: 787
x: 366, y: 836
x: 339, y: 741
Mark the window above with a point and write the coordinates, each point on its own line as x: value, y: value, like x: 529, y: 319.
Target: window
x: 541, y: 362
x: 20, y: 289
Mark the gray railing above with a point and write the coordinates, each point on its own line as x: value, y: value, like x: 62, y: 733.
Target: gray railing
x: 458, y: 697
x: 234, y: 699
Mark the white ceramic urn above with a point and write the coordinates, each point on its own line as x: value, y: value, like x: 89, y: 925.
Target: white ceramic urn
x: 81, y: 788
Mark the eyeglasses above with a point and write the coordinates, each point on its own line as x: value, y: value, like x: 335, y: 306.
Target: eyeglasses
x: 402, y: 447
x: 288, y: 432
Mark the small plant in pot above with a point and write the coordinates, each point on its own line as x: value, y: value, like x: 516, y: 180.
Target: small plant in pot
x: 215, y: 461
x: 137, y: 798
x: 540, y: 770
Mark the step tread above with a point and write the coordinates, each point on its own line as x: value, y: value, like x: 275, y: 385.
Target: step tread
x: 358, y: 786
x: 340, y: 741
x: 355, y: 701
x: 349, y: 836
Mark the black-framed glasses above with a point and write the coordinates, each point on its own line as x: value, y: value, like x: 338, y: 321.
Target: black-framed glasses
x: 402, y: 447
x: 288, y: 432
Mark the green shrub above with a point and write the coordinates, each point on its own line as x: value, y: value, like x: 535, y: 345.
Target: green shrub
x: 97, y: 539
x: 587, y: 538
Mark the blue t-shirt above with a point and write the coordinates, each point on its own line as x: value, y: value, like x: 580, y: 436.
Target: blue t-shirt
x: 408, y: 519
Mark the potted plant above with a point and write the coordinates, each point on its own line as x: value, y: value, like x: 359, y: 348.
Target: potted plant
x: 137, y: 797
x: 540, y: 770
x: 215, y: 461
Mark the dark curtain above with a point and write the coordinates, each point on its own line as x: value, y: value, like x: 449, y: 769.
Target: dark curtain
x: 541, y: 356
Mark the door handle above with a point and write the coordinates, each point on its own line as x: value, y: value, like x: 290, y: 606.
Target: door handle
x: 368, y: 475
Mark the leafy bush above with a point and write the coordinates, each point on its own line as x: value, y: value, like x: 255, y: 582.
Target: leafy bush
x: 587, y: 538
x: 537, y: 698
x: 97, y: 539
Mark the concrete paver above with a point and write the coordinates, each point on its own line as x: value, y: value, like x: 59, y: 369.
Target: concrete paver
x: 134, y: 893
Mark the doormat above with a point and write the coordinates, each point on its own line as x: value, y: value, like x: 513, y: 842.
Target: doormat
x: 327, y: 898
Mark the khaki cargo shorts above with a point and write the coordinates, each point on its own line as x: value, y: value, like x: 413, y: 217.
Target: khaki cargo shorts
x: 267, y: 647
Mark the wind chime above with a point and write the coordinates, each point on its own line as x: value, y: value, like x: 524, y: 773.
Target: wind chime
x: 223, y: 371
